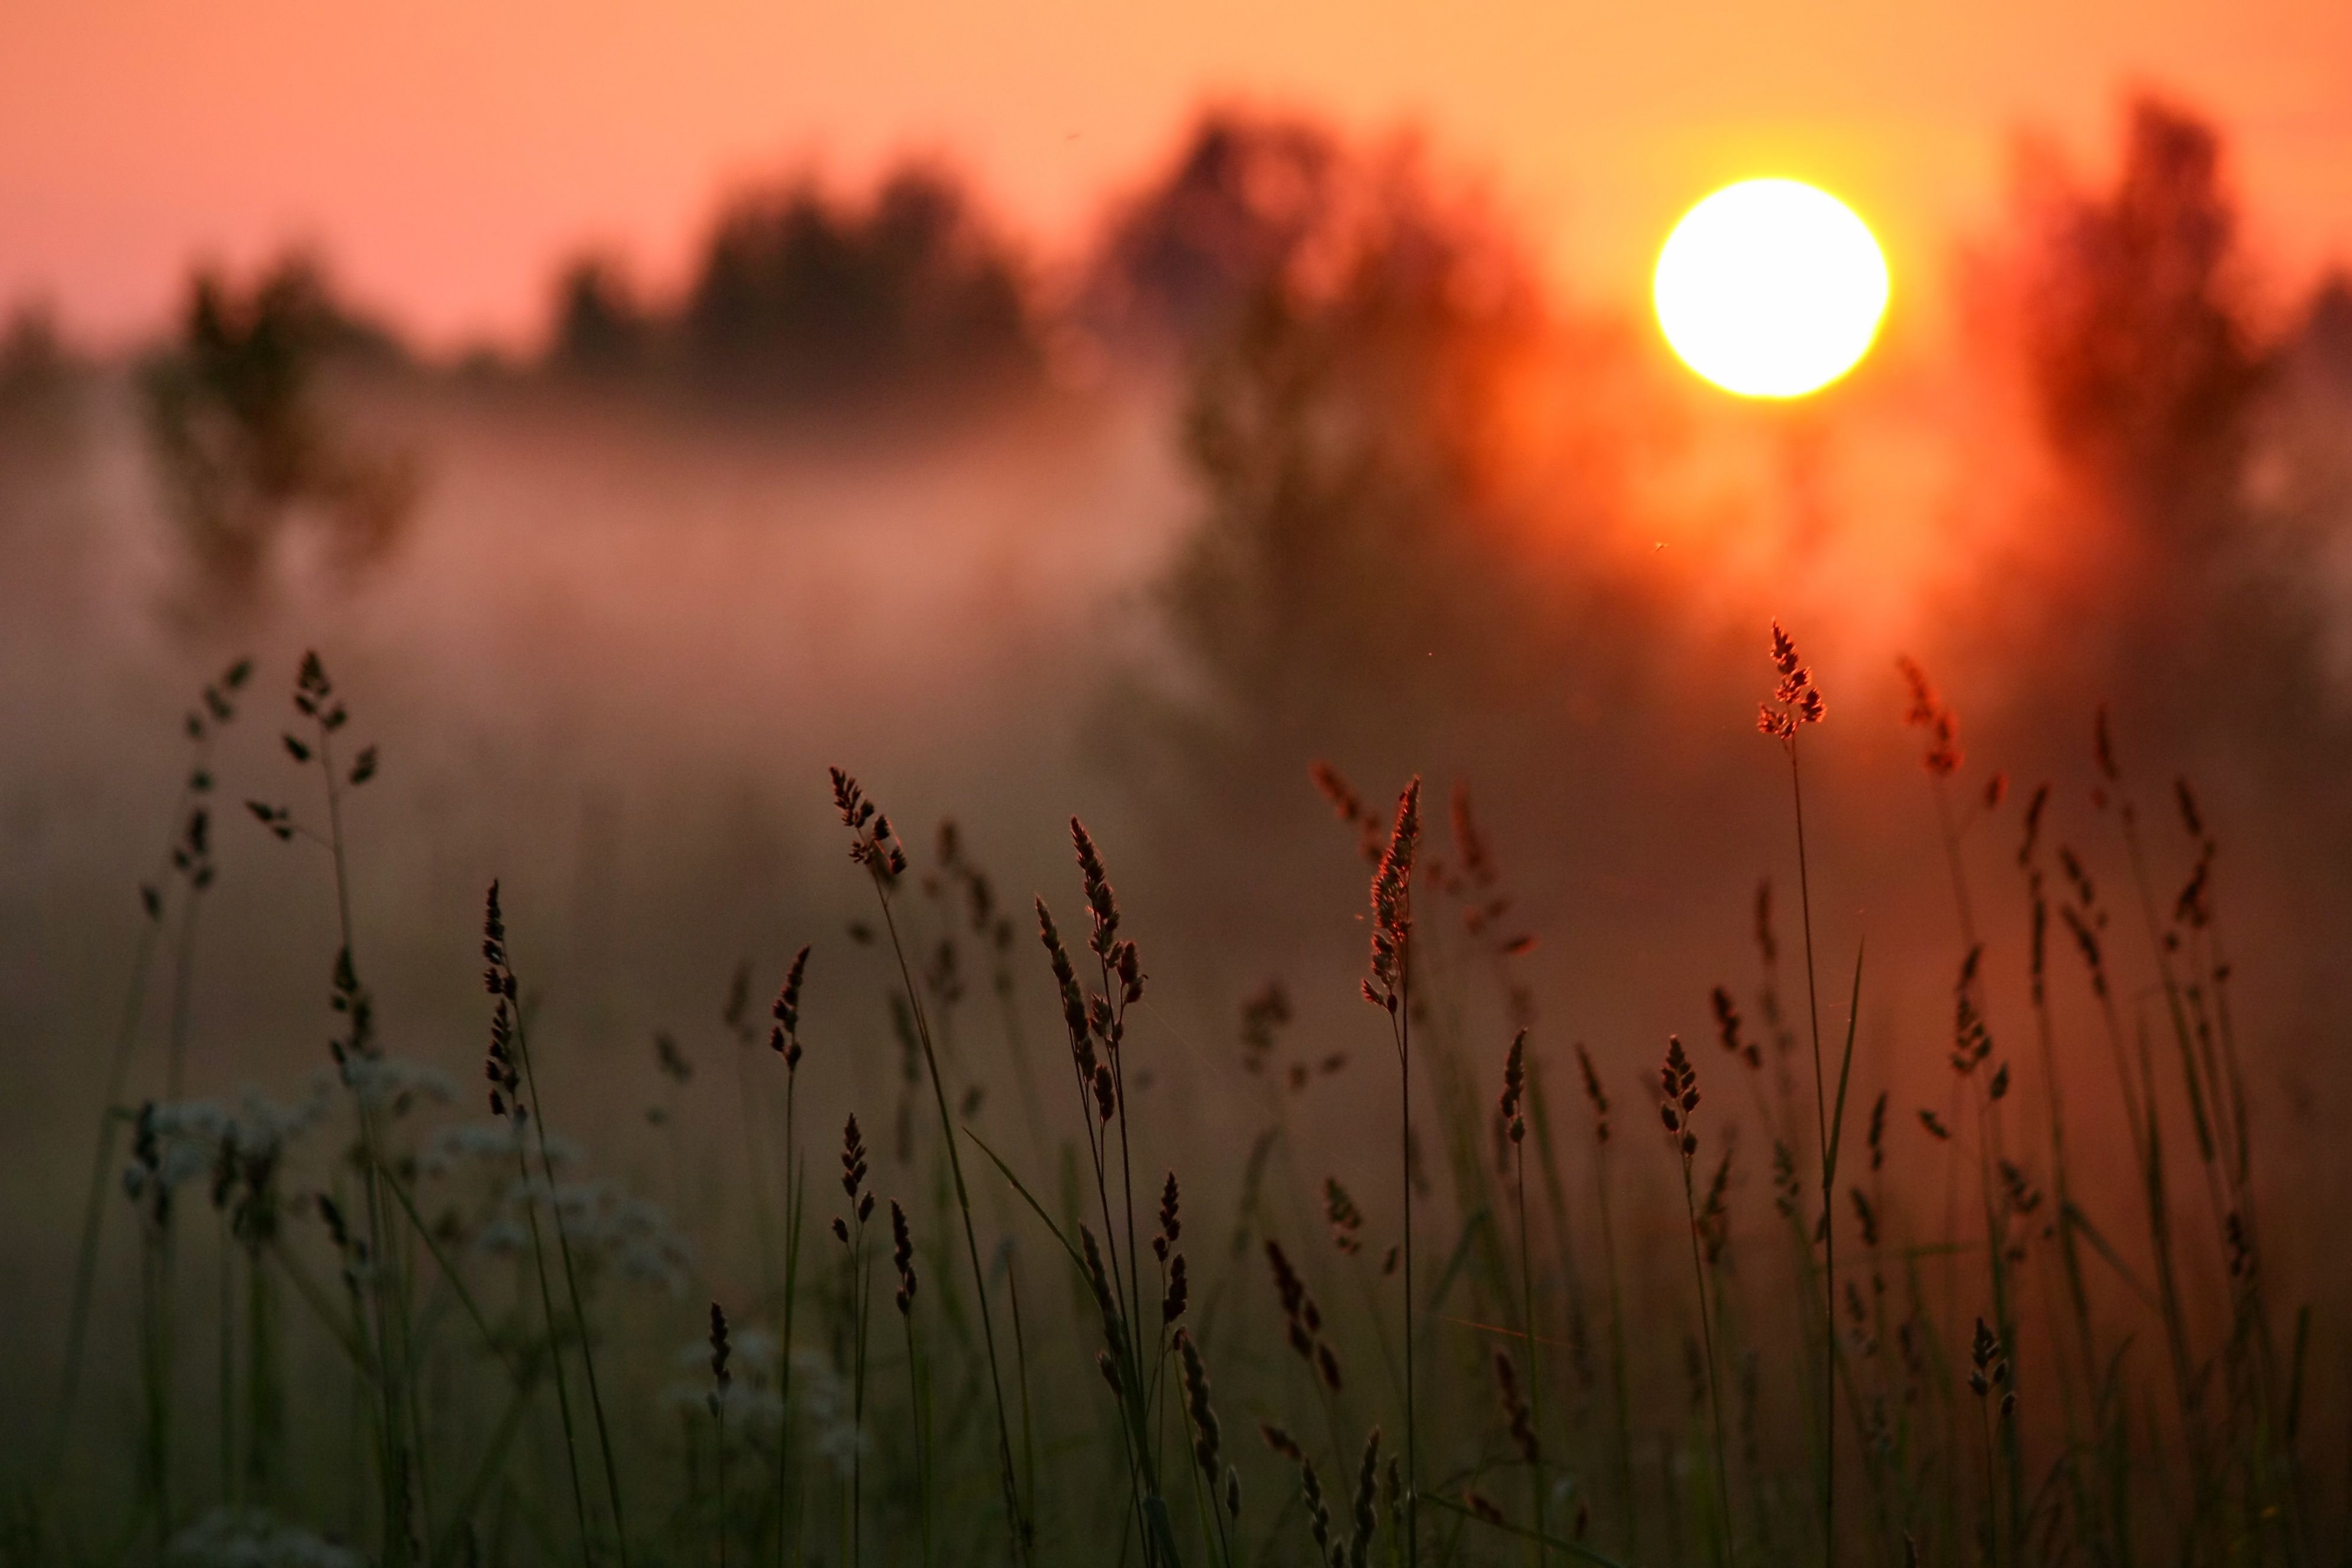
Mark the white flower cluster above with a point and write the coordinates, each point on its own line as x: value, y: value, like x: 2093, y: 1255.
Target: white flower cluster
x: 252, y: 1538
x: 394, y: 1083
x: 751, y: 1353
x: 192, y: 1136
x: 264, y: 1124
x: 187, y: 1139
x: 824, y: 1397
x: 493, y: 1144
x: 631, y: 1236
x: 751, y: 1401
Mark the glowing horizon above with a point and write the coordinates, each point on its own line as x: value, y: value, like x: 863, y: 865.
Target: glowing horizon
x: 445, y: 158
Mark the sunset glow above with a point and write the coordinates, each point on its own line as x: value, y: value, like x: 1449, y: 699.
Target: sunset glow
x: 1771, y: 289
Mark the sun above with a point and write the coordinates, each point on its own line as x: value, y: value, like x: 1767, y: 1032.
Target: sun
x: 1771, y: 289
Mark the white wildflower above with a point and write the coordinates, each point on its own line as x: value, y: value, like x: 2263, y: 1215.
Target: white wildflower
x: 252, y: 1538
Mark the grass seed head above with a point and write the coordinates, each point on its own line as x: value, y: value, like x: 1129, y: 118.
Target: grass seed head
x: 1207, y: 1438
x: 1728, y: 1028
x: 721, y: 1349
x: 1102, y: 904
x: 1319, y: 1511
x: 1517, y: 1417
x: 902, y: 1257
x: 872, y: 843
x: 1795, y: 701
x: 1171, y: 1223
x: 1678, y: 1083
x: 1393, y: 904
x: 1929, y: 712
x: 784, y: 1038
x: 1350, y: 807
x: 1368, y: 1474
x: 1515, y: 1084
x: 1279, y: 1439
x: 1345, y: 1220
x: 1594, y: 1093
x: 853, y: 1166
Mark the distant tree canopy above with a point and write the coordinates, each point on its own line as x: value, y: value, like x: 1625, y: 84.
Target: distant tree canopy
x: 1355, y: 339
x: 600, y: 329
x: 2188, y: 567
x: 246, y: 450
x: 2327, y: 328
x: 2132, y: 324
x: 1339, y: 434
x: 803, y: 298
x: 32, y: 358
x: 1244, y: 201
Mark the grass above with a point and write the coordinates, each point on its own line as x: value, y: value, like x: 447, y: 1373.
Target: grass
x: 1493, y: 1368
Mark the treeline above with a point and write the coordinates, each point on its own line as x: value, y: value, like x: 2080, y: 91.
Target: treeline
x: 803, y: 294
x: 1354, y: 333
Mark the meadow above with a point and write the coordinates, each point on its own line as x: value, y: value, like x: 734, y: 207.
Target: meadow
x: 1338, y: 930
x: 399, y: 1315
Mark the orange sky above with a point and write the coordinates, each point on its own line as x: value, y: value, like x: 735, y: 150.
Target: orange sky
x: 443, y: 153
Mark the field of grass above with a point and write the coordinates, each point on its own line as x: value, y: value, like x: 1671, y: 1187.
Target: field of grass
x: 1709, y: 1301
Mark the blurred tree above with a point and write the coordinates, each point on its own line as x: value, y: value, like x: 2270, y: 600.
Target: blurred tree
x: 1349, y: 543
x: 1364, y: 567
x: 600, y: 330
x: 32, y: 359
x: 41, y: 430
x: 246, y: 449
x: 1184, y: 258
x: 801, y: 298
x: 2327, y: 328
x: 2135, y: 332
x: 2187, y: 572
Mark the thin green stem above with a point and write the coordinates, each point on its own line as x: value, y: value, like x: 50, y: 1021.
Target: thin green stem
x: 1017, y: 1522
x: 1402, y: 1018
x: 102, y: 1172
x: 572, y: 1287
x: 795, y: 1193
x: 1527, y: 1325
x: 1621, y: 1375
x: 389, y: 1289
x: 555, y: 1351
x: 1713, y: 1393
x: 1828, y: 1230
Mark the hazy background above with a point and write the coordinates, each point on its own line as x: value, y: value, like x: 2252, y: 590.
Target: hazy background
x: 1038, y: 418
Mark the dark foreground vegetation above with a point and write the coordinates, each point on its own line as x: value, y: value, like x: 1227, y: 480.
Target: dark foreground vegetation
x: 395, y: 1320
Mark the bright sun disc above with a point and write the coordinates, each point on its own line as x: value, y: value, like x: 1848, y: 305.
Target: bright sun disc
x: 1771, y: 289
